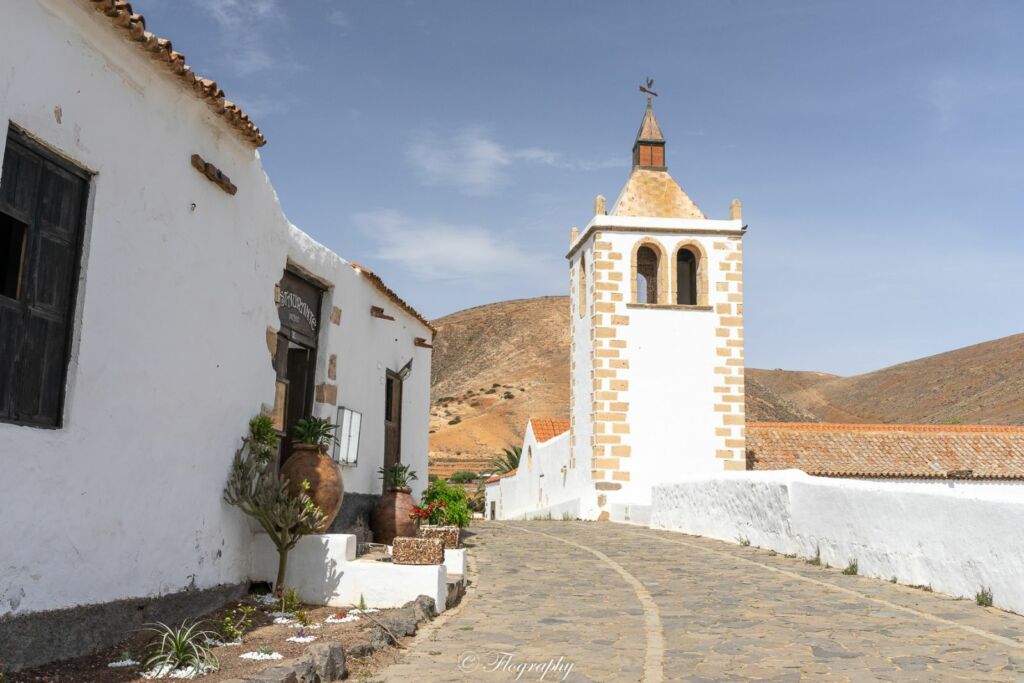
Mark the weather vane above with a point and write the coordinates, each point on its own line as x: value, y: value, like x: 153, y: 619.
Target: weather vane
x: 647, y: 89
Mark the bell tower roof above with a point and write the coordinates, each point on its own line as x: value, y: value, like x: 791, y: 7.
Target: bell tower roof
x: 649, y: 131
x: 650, y: 190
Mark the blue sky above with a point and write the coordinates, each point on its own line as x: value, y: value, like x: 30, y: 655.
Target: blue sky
x: 450, y: 146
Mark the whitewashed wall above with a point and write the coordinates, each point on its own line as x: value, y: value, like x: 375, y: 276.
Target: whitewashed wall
x: 544, y: 484
x: 672, y: 359
x: 169, y: 359
x: 956, y: 537
x: 582, y: 396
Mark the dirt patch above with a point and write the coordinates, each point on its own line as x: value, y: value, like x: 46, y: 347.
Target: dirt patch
x: 265, y: 634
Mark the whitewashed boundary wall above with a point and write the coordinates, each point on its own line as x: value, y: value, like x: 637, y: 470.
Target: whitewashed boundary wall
x: 545, y: 484
x: 956, y: 537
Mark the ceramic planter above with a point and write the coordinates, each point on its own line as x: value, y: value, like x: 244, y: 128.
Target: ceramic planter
x: 326, y: 489
x: 391, y: 516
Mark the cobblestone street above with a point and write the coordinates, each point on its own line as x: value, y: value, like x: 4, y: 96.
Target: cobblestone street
x: 622, y: 603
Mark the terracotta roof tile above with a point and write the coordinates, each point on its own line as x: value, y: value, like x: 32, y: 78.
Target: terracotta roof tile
x: 390, y: 293
x: 888, y: 450
x: 498, y: 477
x: 547, y: 428
x: 133, y: 27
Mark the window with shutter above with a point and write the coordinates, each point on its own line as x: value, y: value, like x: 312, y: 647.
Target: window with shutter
x: 42, y: 214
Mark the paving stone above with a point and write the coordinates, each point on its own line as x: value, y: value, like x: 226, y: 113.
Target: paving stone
x: 720, y: 617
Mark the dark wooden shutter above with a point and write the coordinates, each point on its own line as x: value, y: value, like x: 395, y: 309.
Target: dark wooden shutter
x: 48, y: 196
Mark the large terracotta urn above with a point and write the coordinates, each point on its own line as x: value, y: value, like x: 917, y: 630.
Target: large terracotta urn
x: 391, y: 516
x: 310, y: 462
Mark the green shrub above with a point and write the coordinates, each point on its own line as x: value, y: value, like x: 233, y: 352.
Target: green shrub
x: 743, y: 541
x: 456, y: 504
x: 255, y: 488
x: 463, y: 477
x: 233, y: 626
x: 984, y: 597
x: 851, y: 567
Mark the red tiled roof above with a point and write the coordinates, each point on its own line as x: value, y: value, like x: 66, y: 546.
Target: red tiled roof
x: 133, y: 27
x: 888, y: 450
x: 390, y: 293
x: 546, y: 428
x: 496, y: 477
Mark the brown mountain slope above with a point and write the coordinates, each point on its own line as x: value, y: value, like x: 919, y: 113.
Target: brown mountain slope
x: 497, y: 365
x: 979, y: 384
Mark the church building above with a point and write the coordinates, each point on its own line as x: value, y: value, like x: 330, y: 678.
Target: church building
x: 657, y: 349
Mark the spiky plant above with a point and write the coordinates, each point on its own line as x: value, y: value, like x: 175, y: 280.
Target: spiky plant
x: 397, y: 476
x: 255, y: 488
x: 181, y: 647
x: 507, y: 460
x: 316, y: 431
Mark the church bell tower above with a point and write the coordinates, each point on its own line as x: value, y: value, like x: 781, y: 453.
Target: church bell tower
x: 657, y: 338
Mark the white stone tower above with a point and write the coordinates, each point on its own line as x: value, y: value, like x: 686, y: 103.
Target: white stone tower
x: 657, y: 338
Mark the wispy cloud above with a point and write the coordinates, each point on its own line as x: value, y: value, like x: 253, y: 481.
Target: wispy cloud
x: 244, y: 27
x: 339, y: 18
x: 438, y: 251
x: 473, y: 162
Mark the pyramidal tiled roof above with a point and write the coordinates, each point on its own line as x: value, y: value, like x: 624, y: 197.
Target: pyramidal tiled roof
x: 654, y: 193
x: 649, y: 131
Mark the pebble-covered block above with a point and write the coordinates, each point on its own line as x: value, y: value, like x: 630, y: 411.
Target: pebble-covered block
x: 417, y: 551
x: 450, y: 535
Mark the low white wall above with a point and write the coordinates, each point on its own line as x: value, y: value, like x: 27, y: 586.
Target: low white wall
x: 545, y: 484
x: 323, y: 570
x: 955, y: 537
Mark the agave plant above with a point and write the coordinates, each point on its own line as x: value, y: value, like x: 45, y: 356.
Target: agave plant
x: 507, y: 460
x: 183, y: 647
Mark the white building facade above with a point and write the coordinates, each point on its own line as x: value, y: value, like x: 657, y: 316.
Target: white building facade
x: 145, y: 287
x: 657, y: 343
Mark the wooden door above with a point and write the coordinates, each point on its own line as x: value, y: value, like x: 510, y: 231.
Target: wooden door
x: 392, y: 419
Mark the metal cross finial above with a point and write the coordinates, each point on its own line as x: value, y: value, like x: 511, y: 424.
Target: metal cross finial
x: 650, y: 84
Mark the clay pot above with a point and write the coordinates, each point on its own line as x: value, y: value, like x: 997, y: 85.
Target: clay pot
x: 391, y: 515
x: 311, y: 463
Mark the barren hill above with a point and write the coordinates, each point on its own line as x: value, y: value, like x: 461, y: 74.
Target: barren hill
x: 979, y: 384
x: 496, y: 365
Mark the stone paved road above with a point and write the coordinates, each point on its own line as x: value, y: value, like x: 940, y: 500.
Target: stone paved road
x: 623, y: 603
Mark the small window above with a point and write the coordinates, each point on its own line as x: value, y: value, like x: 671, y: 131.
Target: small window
x: 686, y: 278
x: 646, y: 276
x: 12, y: 256
x: 582, y: 284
